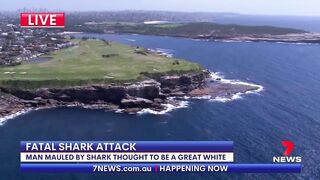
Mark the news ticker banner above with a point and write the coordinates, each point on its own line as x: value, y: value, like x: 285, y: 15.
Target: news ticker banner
x: 162, y: 168
x: 140, y: 156
x: 130, y: 152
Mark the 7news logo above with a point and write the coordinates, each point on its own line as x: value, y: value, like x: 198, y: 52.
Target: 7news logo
x: 286, y: 158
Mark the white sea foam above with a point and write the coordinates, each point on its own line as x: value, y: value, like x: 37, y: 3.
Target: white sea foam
x: 71, y: 32
x: 132, y: 40
x: 169, y: 107
x: 11, y: 116
x: 218, y: 76
x: 119, y: 111
x: 180, y: 104
x: 197, y: 97
x: 227, y: 99
x: 215, y: 76
x: 297, y: 43
x: 164, y: 52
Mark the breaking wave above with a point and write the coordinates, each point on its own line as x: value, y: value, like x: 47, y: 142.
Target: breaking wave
x: 12, y: 116
x: 163, y: 52
x: 178, y: 104
x: 169, y: 107
x: 132, y: 40
x: 214, y: 76
x: 218, y: 76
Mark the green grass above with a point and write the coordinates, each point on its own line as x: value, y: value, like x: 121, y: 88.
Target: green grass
x: 84, y: 64
x: 168, y: 25
x: 193, y: 29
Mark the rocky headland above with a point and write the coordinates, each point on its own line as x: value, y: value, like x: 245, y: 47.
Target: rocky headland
x: 154, y: 94
x: 304, y: 38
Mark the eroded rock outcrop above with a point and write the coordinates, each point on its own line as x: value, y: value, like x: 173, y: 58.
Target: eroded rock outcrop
x: 135, y: 102
x: 131, y: 97
x: 155, y: 94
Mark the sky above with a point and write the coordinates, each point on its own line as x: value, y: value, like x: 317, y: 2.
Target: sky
x: 259, y: 7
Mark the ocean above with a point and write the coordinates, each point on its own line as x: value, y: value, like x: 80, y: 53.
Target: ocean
x: 287, y: 109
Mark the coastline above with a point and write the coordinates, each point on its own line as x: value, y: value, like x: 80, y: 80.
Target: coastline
x: 155, y: 95
x: 174, y: 100
x: 4, y: 119
x: 299, y: 39
x: 270, y: 39
x: 236, y: 39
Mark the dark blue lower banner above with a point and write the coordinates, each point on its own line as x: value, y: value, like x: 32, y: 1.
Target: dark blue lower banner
x: 163, y: 168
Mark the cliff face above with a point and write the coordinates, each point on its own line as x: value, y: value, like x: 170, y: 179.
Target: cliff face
x: 182, y: 84
x: 9, y: 105
x: 145, y: 94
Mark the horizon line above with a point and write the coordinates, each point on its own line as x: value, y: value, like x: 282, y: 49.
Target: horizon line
x: 141, y: 10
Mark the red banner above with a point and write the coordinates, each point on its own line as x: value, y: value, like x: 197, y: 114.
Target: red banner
x: 42, y: 20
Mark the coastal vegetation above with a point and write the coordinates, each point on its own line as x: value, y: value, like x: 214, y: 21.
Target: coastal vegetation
x: 191, y: 30
x: 92, y: 62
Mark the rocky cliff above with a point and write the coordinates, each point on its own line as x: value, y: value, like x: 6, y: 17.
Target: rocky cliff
x: 131, y: 97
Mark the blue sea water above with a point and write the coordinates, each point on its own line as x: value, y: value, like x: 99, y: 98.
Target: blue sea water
x: 287, y: 109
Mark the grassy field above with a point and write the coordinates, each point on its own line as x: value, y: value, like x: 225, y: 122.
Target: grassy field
x: 188, y: 30
x: 92, y: 61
